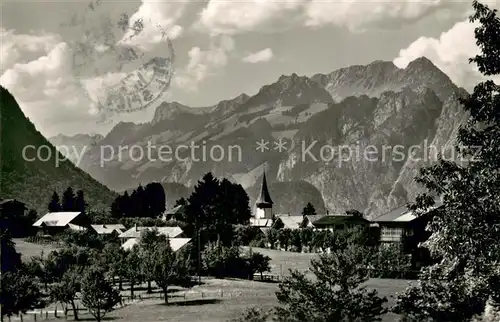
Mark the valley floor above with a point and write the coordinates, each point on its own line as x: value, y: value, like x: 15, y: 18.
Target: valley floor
x: 216, y: 300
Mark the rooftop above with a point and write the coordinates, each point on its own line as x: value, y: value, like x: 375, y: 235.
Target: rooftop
x: 135, y: 232
x: 175, y: 243
x: 264, y: 197
x: 338, y: 220
x: 108, y: 228
x: 56, y: 219
x: 402, y: 214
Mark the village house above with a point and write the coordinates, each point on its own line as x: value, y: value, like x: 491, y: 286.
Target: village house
x: 402, y: 222
x: 337, y: 222
x: 173, y: 213
x: 11, y: 208
x: 175, y: 236
x: 175, y: 243
x: 288, y: 221
x: 402, y: 225
x: 57, y: 222
x: 13, y: 218
x: 309, y: 220
x: 107, y: 229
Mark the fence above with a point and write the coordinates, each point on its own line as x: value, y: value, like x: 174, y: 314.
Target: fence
x: 42, y: 240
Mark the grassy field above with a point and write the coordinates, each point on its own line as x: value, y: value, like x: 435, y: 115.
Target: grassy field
x: 29, y: 250
x: 219, y: 300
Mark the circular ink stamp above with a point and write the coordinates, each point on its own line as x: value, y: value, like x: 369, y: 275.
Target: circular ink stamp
x: 118, y: 70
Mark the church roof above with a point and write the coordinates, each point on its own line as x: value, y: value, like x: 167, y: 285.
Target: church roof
x: 264, y: 197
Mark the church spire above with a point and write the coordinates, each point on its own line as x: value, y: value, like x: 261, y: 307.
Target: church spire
x: 264, y: 199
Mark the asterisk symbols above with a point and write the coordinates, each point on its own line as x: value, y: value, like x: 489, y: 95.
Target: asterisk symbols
x: 280, y: 145
x: 262, y: 145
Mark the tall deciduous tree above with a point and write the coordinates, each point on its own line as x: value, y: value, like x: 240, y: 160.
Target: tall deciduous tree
x: 19, y: 293
x: 149, y: 241
x: 64, y: 291
x: 335, y: 294
x: 170, y: 268
x: 133, y: 268
x: 98, y: 294
x: 465, y: 231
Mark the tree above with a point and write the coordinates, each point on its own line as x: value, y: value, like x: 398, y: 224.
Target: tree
x: 80, y: 204
x: 64, y: 291
x: 68, y: 200
x: 355, y: 213
x: 155, y: 199
x: 253, y: 314
x: 284, y: 236
x: 306, y: 237
x: 258, y: 262
x: 335, y: 294
x: 10, y: 258
x: 55, y: 203
x: 309, y: 210
x: 114, y: 257
x: 98, y: 294
x: 133, y: 268
x: 19, y: 293
x: 295, y: 240
x: 272, y: 237
x: 170, y: 268
x: 464, y: 230
x: 149, y: 241
x: 215, y: 207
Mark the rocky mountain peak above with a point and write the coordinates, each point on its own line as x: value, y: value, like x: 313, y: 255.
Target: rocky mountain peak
x: 168, y: 111
x: 291, y: 90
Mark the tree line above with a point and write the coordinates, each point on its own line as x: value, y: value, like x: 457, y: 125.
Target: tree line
x: 71, y: 201
x: 144, y: 202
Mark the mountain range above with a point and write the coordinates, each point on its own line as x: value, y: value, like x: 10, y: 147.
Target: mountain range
x: 30, y: 178
x: 303, y: 119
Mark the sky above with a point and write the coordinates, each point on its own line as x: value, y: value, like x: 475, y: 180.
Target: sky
x: 221, y: 48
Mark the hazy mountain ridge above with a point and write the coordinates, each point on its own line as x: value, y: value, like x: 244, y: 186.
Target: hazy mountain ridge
x: 377, y: 104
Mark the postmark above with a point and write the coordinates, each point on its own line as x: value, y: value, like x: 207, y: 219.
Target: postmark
x: 116, y: 73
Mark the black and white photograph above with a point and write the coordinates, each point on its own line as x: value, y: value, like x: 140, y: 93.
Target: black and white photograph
x: 250, y: 160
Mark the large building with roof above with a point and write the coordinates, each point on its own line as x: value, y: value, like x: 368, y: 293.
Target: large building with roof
x: 400, y: 222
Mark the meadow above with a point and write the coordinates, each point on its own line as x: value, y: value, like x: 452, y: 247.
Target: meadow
x: 215, y: 299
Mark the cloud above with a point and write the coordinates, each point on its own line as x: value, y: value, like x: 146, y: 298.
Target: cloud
x: 49, y: 91
x: 46, y: 90
x: 450, y: 53
x: 158, y: 19
x: 264, y: 55
x: 359, y: 15
x: 204, y: 63
x: 233, y: 17
x: 21, y: 47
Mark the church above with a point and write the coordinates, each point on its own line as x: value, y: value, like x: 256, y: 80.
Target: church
x: 263, y: 212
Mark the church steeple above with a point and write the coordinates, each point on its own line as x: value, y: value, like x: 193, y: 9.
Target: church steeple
x: 264, y: 200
